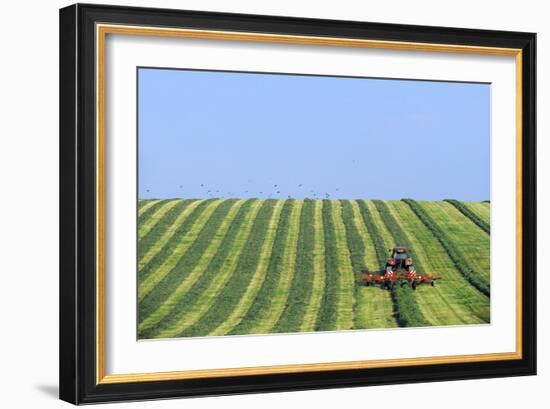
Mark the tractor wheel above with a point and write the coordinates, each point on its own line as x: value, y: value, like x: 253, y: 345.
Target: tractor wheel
x: 413, y: 285
x: 367, y: 284
x: 433, y: 283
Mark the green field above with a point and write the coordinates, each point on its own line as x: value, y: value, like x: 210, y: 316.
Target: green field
x: 256, y: 266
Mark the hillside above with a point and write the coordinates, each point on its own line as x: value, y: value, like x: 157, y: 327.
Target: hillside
x: 235, y: 266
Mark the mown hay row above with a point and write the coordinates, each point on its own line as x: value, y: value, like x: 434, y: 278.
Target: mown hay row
x: 196, y: 303
x: 409, y: 313
x: 470, y: 215
x: 156, y: 288
x: 460, y: 262
x: 174, y: 300
x: 262, y: 302
x: 239, y: 296
x: 301, y: 286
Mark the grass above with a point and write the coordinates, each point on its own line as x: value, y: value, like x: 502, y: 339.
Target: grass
x: 346, y: 275
x: 177, y: 295
x: 465, y: 210
x: 154, y: 290
x: 318, y: 283
x: 478, y: 280
x: 146, y: 225
x: 163, y: 253
x: 231, y: 267
x: 201, y: 297
x: 465, y: 235
x: 145, y: 206
x: 235, y: 301
x: 166, y: 223
x: 373, y: 306
x: 301, y: 286
x: 453, y: 300
x: 409, y: 313
x: 262, y: 301
x: 327, y: 318
x: 482, y: 210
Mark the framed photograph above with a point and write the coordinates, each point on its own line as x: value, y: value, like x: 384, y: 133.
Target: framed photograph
x: 257, y: 203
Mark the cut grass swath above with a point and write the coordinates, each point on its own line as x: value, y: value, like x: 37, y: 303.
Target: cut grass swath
x: 460, y: 262
x: 409, y: 313
x: 471, y: 215
x: 453, y: 301
x: 318, y: 282
x: 482, y: 210
x: 246, y: 300
x: 346, y: 299
x: 176, y: 297
x: 147, y: 224
x: 169, y: 251
x: 156, y: 233
x: 154, y: 291
x: 147, y: 211
x: 192, y: 307
x: 163, y: 241
x: 300, y: 289
x: 472, y: 242
x: 262, y: 301
x: 328, y: 313
x: 373, y: 306
x: 145, y: 205
x: 355, y: 244
x: 236, y: 289
x: 288, y: 263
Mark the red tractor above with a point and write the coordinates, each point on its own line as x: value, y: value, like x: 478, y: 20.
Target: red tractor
x: 399, y: 269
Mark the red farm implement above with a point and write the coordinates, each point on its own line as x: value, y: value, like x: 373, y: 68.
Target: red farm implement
x: 399, y: 271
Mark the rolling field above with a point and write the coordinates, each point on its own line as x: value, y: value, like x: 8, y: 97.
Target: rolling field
x: 255, y: 266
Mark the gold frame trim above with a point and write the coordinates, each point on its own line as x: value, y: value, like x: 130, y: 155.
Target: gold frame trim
x: 101, y: 33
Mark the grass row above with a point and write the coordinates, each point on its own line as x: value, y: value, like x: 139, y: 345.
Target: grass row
x: 197, y: 302
x: 409, y: 313
x: 355, y: 243
x: 147, y: 224
x: 155, y: 234
x: 300, y: 289
x: 262, y: 302
x: 175, y: 299
x: 472, y: 242
x: 470, y: 215
x: 144, y: 207
x: 327, y: 317
x: 346, y: 298
x: 453, y: 300
x: 482, y: 210
x: 235, y: 290
x: 456, y: 256
x: 373, y: 305
x: 147, y: 254
x: 168, y: 249
x: 318, y: 282
x: 234, y: 317
x: 288, y: 268
x: 177, y: 267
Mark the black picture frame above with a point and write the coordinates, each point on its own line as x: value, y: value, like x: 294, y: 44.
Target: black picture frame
x: 78, y: 257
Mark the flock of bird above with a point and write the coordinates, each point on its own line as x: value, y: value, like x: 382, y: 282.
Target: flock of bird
x: 272, y: 192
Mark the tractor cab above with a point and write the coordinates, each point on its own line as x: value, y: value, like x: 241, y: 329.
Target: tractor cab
x: 399, y: 258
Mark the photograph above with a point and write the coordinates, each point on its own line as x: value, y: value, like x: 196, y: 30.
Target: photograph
x: 254, y: 202
x: 276, y: 202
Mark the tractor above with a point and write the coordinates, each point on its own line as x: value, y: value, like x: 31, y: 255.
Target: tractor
x: 399, y: 270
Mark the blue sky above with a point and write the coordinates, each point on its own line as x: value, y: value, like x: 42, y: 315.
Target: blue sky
x: 222, y: 134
